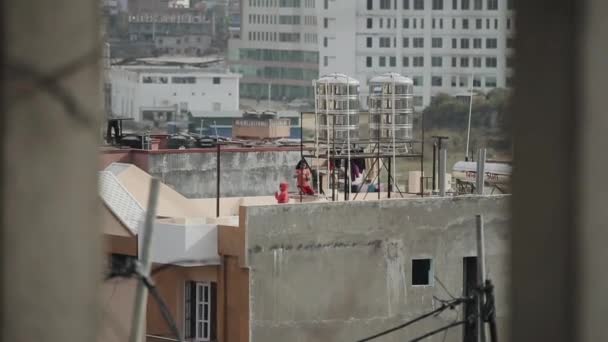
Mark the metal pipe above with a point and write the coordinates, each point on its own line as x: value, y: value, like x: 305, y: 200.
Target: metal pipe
x: 422, y: 155
x: 443, y: 157
x: 389, y: 177
x: 314, y: 84
x: 434, y: 162
x: 481, y: 276
x: 217, y: 181
x: 141, y: 296
x: 394, y: 163
x: 481, y: 170
x: 347, y: 166
x: 466, y: 152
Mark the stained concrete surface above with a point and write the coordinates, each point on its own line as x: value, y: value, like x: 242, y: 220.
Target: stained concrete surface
x: 242, y: 173
x: 342, y: 271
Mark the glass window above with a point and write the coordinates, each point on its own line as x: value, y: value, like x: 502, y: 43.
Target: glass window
x: 382, y: 61
x: 370, y: 4
x: 369, y: 23
x: 418, y: 4
x: 417, y: 80
x: 437, y: 42
x: 510, y: 43
x: 465, y: 4
x: 454, y: 62
x: 491, y: 43
x: 477, y: 62
x: 478, y: 5
x: 491, y: 62
x: 385, y: 4
x: 418, y: 61
x: 406, y: 61
x: 490, y: 81
x: 406, y: 42
x: 368, y: 42
x: 492, y: 5
x: 476, y: 43
x: 406, y: 23
x: 464, y: 43
x: 478, y: 23
x: 454, y: 4
x: 418, y: 42
x: 406, y: 4
x: 437, y: 5
x: 436, y: 81
x: 392, y: 61
x: 464, y: 62
x: 465, y: 24
x: 368, y: 62
x: 454, y: 43
x: 436, y: 61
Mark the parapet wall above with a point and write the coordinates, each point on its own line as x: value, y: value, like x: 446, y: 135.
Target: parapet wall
x: 342, y: 271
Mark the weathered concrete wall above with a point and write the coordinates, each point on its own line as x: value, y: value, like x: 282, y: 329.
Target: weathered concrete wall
x: 253, y: 173
x: 342, y: 271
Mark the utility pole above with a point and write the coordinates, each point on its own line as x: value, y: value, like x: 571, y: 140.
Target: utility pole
x: 141, y: 296
x: 443, y: 158
x: 481, y: 277
x: 466, y: 152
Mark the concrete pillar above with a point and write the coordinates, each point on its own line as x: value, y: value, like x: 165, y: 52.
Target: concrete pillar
x: 50, y: 242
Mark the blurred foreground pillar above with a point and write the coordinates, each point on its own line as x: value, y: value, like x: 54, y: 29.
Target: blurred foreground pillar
x: 49, y: 239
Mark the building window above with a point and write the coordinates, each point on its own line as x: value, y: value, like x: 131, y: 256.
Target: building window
x: 385, y: 42
x: 454, y: 81
x: 417, y: 101
x: 418, y: 61
x: 368, y: 62
x: 325, y: 60
x: 433, y: 23
x: 368, y: 42
x: 325, y: 4
x: 438, y: 5
x: 478, y: 24
x: 370, y: 23
x: 465, y: 24
x: 465, y: 4
x: 508, y: 23
x: 183, y: 80
x: 496, y: 24
x: 418, y: 42
x: 388, y: 23
x: 454, y: 62
x: 414, y: 23
x: 437, y: 42
x: 509, y: 81
x: 325, y: 41
x: 417, y: 80
x: 487, y: 24
x: 492, y: 5
x: 477, y: 62
x: 418, y: 4
x: 476, y: 43
x: 370, y: 4
x: 453, y: 23
x: 422, y: 272
x: 441, y: 23
x: 510, y: 62
x: 510, y: 43
x: 436, y: 81
x: 436, y: 61
x: 491, y: 43
x: 406, y: 4
x: 476, y: 81
x: 478, y: 5
x: 406, y: 23
x: 380, y: 23
x: 382, y: 61
x: 200, y: 311
x: 454, y: 4
x: 406, y: 42
x: 509, y: 4
x: 464, y: 81
x: 392, y: 61
x: 491, y: 62
x: 464, y: 62
x: 464, y: 43
x: 405, y: 61
x: 217, y: 80
x: 385, y: 4
x: 325, y: 22
x: 421, y: 23
x: 217, y: 106
x: 121, y: 264
x: 454, y: 43
x: 491, y: 82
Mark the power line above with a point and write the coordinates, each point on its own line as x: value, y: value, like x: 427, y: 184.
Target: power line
x: 445, y: 305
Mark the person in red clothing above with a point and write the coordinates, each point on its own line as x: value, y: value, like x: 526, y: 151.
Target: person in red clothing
x: 304, y: 176
x: 283, y: 195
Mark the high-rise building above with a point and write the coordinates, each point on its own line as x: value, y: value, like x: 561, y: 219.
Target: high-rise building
x: 445, y: 46
x: 277, y: 48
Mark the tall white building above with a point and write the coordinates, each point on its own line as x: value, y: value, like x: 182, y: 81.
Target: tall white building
x: 277, y: 48
x: 445, y: 46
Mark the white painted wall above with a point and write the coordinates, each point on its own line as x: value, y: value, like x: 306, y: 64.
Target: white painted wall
x: 190, y: 241
x: 130, y: 95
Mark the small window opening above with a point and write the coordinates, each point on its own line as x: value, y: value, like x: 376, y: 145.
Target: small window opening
x: 421, y: 272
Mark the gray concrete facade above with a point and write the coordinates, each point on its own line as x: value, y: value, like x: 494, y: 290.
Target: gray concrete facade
x: 255, y: 173
x: 342, y: 271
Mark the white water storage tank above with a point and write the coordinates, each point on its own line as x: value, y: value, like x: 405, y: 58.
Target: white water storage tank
x: 384, y: 90
x: 337, y: 107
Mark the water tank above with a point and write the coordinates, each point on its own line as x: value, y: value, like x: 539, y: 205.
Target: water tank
x: 384, y: 91
x: 337, y: 105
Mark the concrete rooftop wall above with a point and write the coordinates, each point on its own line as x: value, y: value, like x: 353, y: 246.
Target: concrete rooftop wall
x: 242, y: 173
x: 342, y: 271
